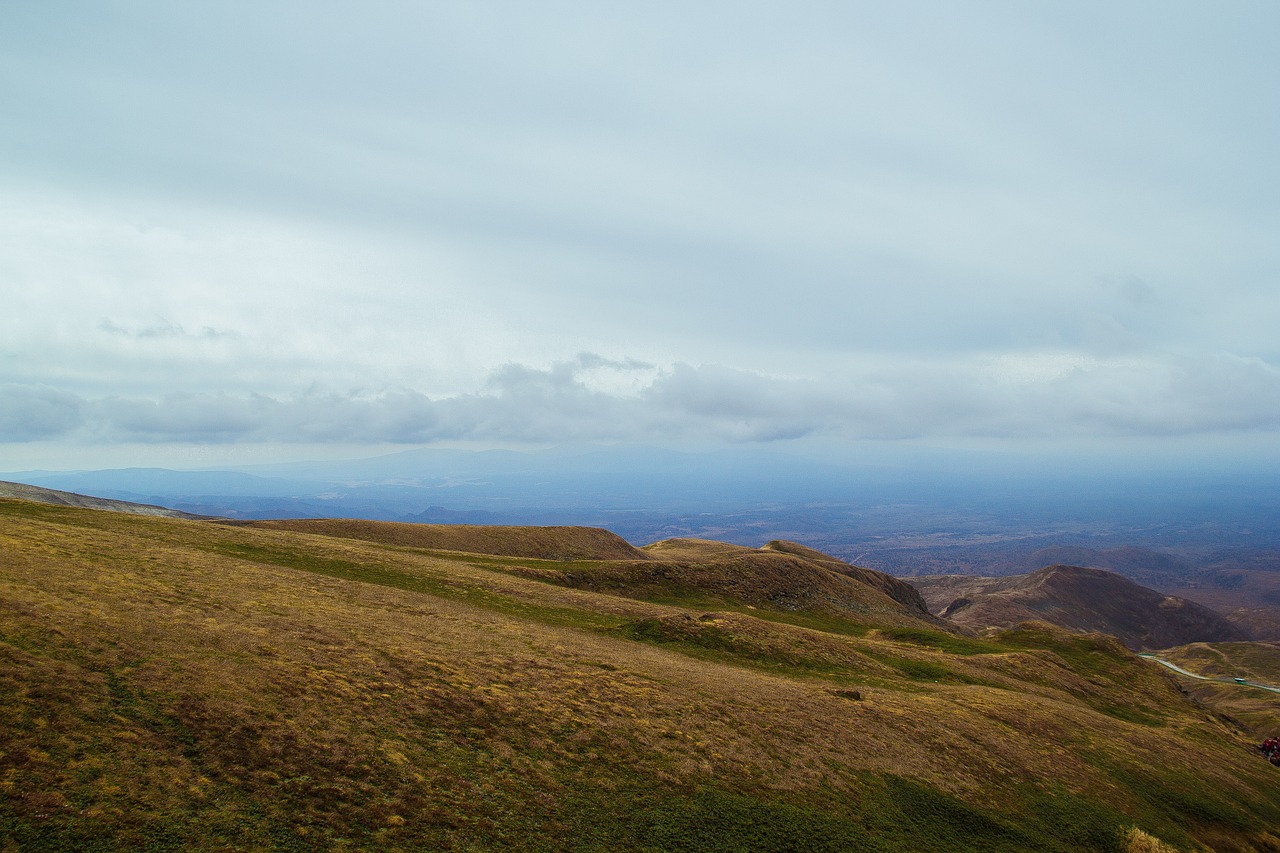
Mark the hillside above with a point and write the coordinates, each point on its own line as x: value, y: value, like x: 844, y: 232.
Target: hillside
x: 54, y: 496
x: 545, y: 543
x: 1077, y: 599
x: 785, y: 579
x: 191, y: 685
x: 1252, y: 710
x: 900, y: 591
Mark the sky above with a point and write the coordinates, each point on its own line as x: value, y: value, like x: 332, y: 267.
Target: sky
x: 264, y: 231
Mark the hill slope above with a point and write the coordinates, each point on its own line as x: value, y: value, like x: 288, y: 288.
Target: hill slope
x: 53, y: 496
x: 1249, y: 708
x: 1078, y: 599
x: 545, y: 543
x: 781, y: 576
x: 172, y: 684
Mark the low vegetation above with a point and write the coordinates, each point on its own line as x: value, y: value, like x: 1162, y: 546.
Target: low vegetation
x: 187, y: 685
x: 1254, y: 711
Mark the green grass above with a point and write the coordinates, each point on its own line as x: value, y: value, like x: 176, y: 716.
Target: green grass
x: 710, y: 642
x: 440, y: 585
x: 1173, y: 803
x: 891, y: 814
x: 826, y: 623
x: 943, y: 641
x: 1084, y: 654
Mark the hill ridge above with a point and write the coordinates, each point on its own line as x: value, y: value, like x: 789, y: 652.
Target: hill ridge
x: 1079, y: 598
x: 537, y: 542
x: 22, y: 491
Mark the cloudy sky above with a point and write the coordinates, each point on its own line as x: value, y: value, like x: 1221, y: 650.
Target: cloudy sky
x: 267, y: 230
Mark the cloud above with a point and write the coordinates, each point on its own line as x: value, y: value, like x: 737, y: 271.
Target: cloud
x: 1051, y: 396
x: 33, y: 412
x: 849, y: 220
x: 161, y: 329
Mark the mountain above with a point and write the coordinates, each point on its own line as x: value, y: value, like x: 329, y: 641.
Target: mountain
x: 1078, y: 599
x: 724, y: 574
x: 177, y: 684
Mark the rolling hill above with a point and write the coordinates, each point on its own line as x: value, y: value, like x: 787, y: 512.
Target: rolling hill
x: 544, y: 543
x: 1077, y: 599
x: 198, y: 685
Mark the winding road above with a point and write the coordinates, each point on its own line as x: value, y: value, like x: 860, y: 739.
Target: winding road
x: 1221, y: 678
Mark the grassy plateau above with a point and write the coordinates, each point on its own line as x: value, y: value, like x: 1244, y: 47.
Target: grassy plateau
x: 170, y: 684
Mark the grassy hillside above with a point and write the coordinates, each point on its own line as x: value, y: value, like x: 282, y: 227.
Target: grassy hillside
x: 1254, y: 711
x: 175, y: 684
x: 547, y: 543
x: 776, y: 584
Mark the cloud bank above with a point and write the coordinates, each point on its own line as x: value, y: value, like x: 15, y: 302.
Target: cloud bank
x: 591, y: 399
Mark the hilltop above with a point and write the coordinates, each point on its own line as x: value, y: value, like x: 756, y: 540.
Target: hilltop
x: 198, y: 685
x: 1078, y: 599
x: 543, y: 543
x: 781, y: 576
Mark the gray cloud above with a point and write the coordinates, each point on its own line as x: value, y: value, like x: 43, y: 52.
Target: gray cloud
x: 161, y: 329
x: 540, y: 405
x: 31, y: 413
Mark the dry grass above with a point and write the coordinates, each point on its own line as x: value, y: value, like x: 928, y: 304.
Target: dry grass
x: 1137, y: 841
x: 545, y: 543
x: 185, y: 684
x: 1254, y: 712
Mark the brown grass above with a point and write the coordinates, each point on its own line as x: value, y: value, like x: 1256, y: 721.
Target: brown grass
x: 1254, y: 712
x: 153, y: 678
x: 1137, y: 841
x: 545, y: 543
